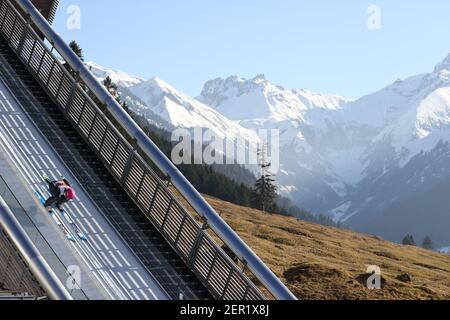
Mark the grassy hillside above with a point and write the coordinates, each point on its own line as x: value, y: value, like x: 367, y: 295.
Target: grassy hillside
x: 320, y: 262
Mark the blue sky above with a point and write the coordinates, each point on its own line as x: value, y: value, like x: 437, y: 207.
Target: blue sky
x: 323, y: 45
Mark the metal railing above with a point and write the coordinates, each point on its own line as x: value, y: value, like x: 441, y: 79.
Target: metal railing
x: 214, y: 268
x: 15, y: 274
x: 52, y: 11
x: 35, y: 261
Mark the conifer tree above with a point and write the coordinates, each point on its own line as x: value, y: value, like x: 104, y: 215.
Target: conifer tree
x: 77, y: 49
x: 79, y: 52
x: 408, y: 240
x: 112, y: 88
x: 265, y: 191
x: 428, y: 243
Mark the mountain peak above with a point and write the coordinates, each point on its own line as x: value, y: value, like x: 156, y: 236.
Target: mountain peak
x: 242, y: 99
x: 231, y: 79
x: 119, y: 77
x: 259, y: 78
x: 443, y: 65
x: 156, y: 81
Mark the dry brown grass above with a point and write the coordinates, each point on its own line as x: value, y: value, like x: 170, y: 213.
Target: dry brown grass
x: 319, y: 262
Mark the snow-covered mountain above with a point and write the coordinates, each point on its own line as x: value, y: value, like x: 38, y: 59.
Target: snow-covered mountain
x: 380, y: 163
x: 308, y: 174
x: 120, y: 78
x: 168, y: 108
x: 257, y: 98
x: 405, y: 174
x: 183, y: 111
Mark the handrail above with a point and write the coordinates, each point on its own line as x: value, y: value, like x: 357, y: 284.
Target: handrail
x: 37, y: 264
x: 194, y: 198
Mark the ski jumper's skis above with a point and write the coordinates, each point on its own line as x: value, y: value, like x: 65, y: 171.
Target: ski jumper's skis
x: 56, y: 218
x: 72, y: 223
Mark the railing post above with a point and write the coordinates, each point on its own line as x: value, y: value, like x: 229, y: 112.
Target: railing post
x: 59, y: 86
x: 71, y: 97
x: 129, y: 163
x: 181, y: 229
x: 32, y: 52
x: 81, y: 117
x: 141, y: 183
x: 244, y: 266
x: 13, y: 27
x: 41, y: 63
x: 227, y: 284
x: 166, y: 216
x: 50, y: 73
x: 153, y: 200
x: 247, y: 290
x: 212, y: 266
x: 103, y: 136
x: 92, y: 127
x: 196, y: 246
x: 24, y: 35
